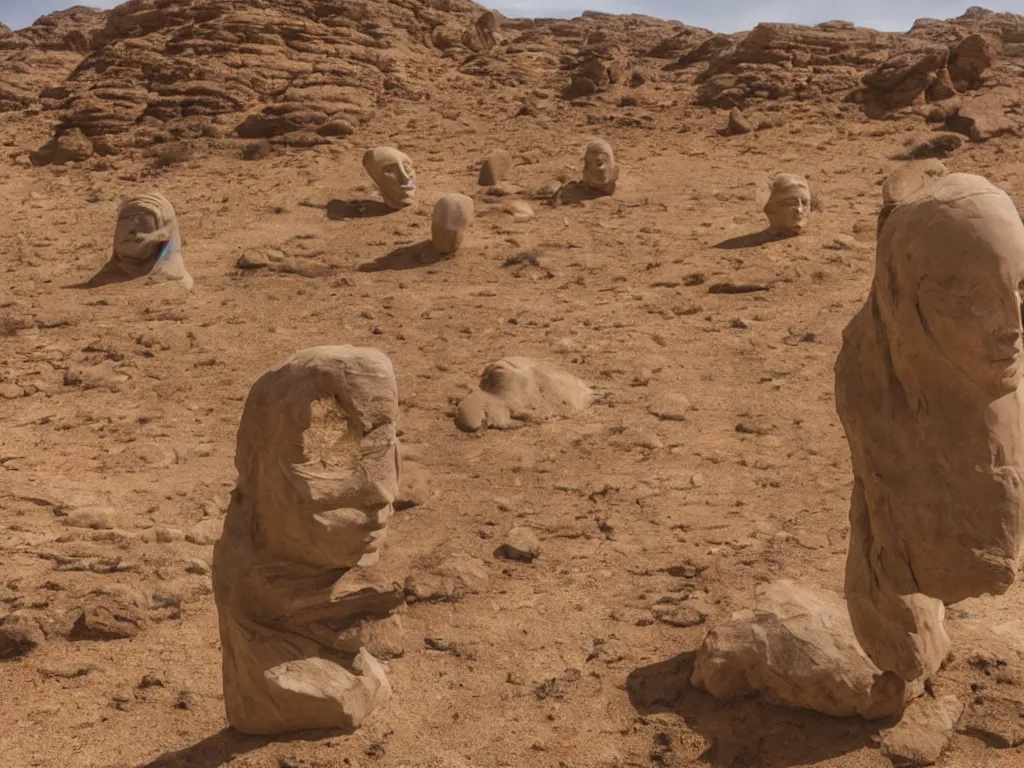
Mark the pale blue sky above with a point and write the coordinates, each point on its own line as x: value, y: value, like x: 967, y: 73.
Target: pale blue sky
x: 718, y: 15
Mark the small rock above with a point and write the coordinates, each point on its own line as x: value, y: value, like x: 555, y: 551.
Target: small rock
x: 109, y: 615
x: 19, y: 634
x: 1013, y: 632
x: 940, y: 145
x: 502, y: 190
x: 520, y: 210
x: 162, y: 535
x: 336, y: 127
x: 11, y: 391
x: 679, y: 616
x: 738, y: 124
x: 253, y: 260
x: 996, y: 716
x: 521, y: 544
x: 922, y: 734
x: 101, y: 376
x: 93, y: 518
x: 150, y: 681
x: 456, y: 577
x: 842, y: 243
x: 197, y: 567
x: 414, y: 485
x: 495, y: 168
x: 670, y: 406
x: 205, y: 533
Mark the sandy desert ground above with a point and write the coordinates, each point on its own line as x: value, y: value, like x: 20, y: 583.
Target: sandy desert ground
x: 120, y: 404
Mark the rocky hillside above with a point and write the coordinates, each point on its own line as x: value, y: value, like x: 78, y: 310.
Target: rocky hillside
x: 44, y: 54
x: 304, y: 72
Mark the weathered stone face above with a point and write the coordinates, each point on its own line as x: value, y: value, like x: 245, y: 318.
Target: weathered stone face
x: 600, y: 172
x: 146, y: 242
x: 300, y: 607
x: 393, y: 174
x: 928, y: 388
x: 789, y: 205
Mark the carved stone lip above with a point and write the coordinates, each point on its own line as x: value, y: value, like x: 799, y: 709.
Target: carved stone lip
x: 1011, y: 356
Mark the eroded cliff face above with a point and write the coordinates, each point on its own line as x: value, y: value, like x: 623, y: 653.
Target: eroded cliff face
x: 304, y: 72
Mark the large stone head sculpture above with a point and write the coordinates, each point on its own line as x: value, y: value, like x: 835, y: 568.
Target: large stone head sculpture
x: 393, y: 174
x: 600, y: 172
x: 146, y: 242
x: 317, y: 462
x: 928, y: 391
x: 789, y: 204
x: 317, y: 453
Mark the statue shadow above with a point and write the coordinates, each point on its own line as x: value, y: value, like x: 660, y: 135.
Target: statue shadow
x: 745, y: 732
x: 576, y: 192
x: 222, y: 748
x: 407, y: 257
x: 219, y: 749
x: 752, y: 240
x: 341, y: 210
x: 107, y: 275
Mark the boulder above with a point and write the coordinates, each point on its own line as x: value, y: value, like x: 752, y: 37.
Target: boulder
x: 738, y: 124
x: 903, y: 79
x: 985, y: 117
x: 797, y: 649
x: 495, y: 168
x: 971, y: 59
x: 72, y: 146
x: 923, y: 732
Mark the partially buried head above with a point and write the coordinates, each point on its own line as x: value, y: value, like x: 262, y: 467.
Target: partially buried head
x: 600, y: 172
x: 948, y: 280
x: 789, y: 204
x: 392, y: 172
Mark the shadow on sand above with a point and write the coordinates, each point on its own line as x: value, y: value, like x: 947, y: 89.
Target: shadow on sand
x: 750, y: 241
x: 746, y: 732
x: 213, y: 751
x: 407, y: 257
x: 576, y: 192
x: 223, y: 747
x: 340, y: 210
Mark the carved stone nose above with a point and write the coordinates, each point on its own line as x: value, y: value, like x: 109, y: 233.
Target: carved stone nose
x: 1008, y: 336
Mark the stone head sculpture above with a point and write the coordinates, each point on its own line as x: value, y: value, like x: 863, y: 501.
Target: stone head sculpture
x: 146, y: 242
x: 789, y: 204
x: 928, y: 391
x: 903, y: 182
x: 392, y: 172
x: 600, y: 172
x: 452, y: 216
x: 317, y: 462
